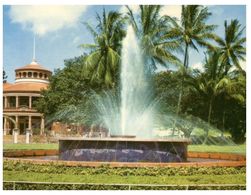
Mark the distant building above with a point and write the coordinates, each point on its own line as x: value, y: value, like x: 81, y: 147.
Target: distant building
x: 19, y: 98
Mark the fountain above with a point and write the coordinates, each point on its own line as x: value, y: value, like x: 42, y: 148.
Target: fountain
x: 130, y: 120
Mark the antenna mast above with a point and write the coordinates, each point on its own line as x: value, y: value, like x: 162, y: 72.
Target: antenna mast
x: 34, y: 48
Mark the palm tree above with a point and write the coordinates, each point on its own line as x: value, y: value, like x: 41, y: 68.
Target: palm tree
x: 232, y: 47
x: 152, y: 30
x: 214, y: 83
x: 193, y: 32
x: 103, y: 60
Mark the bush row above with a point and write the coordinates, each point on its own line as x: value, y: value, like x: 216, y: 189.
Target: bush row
x: 121, y: 171
x: 38, y: 186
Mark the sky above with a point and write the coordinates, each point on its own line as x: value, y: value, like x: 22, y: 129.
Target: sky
x: 59, y: 31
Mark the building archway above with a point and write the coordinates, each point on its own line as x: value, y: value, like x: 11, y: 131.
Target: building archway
x: 9, y: 123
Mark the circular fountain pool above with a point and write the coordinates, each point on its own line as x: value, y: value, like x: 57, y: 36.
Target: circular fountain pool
x: 122, y: 149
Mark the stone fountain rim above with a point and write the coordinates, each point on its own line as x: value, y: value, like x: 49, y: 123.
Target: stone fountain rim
x: 178, y: 140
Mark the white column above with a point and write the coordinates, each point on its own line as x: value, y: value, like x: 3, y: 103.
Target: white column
x: 5, y: 126
x: 29, y: 122
x: 42, y: 125
x: 27, y: 136
x: 15, y: 136
x: 30, y: 102
x: 17, y: 101
x: 16, y: 125
x: 6, y: 102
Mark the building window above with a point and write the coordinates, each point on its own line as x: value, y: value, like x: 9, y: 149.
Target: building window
x: 35, y: 74
x: 29, y: 74
x: 24, y: 101
x: 20, y: 74
x: 12, y: 101
x: 45, y: 76
x: 24, y: 74
x: 40, y: 75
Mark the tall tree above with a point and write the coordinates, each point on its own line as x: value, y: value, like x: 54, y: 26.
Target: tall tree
x: 152, y: 30
x: 103, y: 60
x: 232, y: 47
x: 193, y: 32
x: 4, y: 77
x: 213, y: 85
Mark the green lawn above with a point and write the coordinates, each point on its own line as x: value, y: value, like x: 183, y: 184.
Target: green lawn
x: 29, y: 146
x: 214, y: 148
x: 192, y: 148
x: 26, y: 171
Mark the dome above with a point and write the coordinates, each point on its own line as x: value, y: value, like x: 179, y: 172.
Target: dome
x: 33, y: 66
x: 32, y: 72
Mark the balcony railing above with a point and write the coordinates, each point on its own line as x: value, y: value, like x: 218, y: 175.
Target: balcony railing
x: 20, y: 108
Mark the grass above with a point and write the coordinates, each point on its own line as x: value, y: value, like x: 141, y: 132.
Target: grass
x: 214, y: 148
x: 192, y: 148
x: 112, y: 179
x: 36, y: 146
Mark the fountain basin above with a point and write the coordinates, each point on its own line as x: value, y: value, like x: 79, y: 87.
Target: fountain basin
x: 123, y: 149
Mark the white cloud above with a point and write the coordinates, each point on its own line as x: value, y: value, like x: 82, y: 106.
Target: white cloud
x: 134, y: 8
x: 216, y: 10
x: 198, y: 66
x: 44, y: 19
x: 76, y: 40
x: 171, y: 10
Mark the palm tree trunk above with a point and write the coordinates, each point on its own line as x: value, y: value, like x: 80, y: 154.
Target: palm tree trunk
x: 182, y: 79
x: 223, y: 123
x: 180, y: 96
x: 208, y: 118
x: 186, y: 57
x: 210, y: 110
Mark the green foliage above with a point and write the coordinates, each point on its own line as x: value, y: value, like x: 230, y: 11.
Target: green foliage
x: 4, y: 77
x: 217, y: 96
x: 232, y: 48
x: 193, y: 30
x: 102, y: 63
x: 105, y: 177
x: 166, y: 85
x: 69, y: 88
x: 153, y: 32
x: 37, y: 186
x: 121, y: 171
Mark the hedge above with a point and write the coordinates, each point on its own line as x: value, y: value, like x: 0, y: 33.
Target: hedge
x: 56, y: 186
x: 121, y: 171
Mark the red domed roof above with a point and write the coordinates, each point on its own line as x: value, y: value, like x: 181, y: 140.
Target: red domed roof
x: 33, y: 66
x: 25, y: 87
x: 6, y: 85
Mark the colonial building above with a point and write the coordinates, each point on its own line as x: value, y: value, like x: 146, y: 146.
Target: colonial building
x: 19, y: 98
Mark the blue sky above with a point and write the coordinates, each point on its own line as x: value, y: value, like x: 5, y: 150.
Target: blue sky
x: 59, y: 31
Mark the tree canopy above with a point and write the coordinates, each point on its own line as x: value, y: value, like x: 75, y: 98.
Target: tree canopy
x: 216, y: 95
